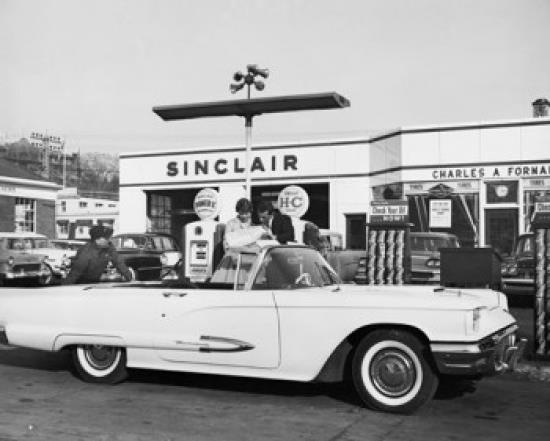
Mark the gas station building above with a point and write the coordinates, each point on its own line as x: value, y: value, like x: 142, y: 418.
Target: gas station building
x: 476, y: 180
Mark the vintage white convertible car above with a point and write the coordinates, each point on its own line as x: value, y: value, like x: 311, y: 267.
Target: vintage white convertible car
x: 275, y: 312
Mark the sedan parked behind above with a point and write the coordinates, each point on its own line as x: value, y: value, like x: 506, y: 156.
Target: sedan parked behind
x: 150, y: 255
x: 17, y: 264
x: 425, y: 256
x: 518, y: 270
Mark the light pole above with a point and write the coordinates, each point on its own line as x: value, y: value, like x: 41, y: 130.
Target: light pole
x: 248, y: 80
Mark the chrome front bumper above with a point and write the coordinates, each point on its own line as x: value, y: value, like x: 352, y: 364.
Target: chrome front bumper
x: 491, y: 355
x: 13, y: 275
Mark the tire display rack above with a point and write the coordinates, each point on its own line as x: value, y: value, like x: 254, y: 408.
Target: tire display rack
x: 388, y: 260
x: 542, y: 289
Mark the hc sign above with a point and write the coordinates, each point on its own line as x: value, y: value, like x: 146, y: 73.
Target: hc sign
x: 293, y: 201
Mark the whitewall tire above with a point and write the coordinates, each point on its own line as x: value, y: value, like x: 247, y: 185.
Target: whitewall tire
x: 391, y: 372
x: 100, y: 364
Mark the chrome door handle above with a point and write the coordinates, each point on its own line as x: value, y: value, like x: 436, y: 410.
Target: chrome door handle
x: 174, y: 294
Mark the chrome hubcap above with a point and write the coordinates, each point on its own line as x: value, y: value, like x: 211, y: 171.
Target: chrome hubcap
x: 393, y: 373
x: 100, y: 357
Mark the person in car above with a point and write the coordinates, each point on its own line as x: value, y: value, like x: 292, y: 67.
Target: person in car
x: 92, y: 259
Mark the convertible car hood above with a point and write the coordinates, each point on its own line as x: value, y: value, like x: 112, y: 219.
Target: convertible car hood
x: 426, y: 296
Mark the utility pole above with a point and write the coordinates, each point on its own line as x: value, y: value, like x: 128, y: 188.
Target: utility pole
x: 248, y: 80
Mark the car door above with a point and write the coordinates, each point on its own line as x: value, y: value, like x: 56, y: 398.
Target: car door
x: 233, y: 327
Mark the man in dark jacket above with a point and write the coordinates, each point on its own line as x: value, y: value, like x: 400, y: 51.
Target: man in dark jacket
x: 278, y: 224
x: 92, y: 259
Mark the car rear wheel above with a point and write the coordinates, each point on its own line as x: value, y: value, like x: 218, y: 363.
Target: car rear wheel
x: 391, y: 373
x: 100, y: 364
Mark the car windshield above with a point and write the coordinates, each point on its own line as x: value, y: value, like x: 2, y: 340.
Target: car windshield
x: 26, y: 243
x: 426, y: 243
x: 143, y: 242
x: 165, y: 243
x: 292, y: 268
x: 41, y: 243
x: 227, y: 269
x: 526, y: 245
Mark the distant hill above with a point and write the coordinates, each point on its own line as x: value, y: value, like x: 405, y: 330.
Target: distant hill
x: 94, y: 174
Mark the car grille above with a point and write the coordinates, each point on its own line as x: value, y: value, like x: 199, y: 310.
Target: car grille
x: 24, y: 267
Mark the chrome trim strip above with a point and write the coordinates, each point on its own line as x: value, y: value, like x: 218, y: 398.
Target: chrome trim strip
x: 204, y: 346
x: 455, y: 348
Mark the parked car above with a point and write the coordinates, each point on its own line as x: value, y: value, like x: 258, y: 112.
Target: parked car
x: 150, y: 255
x: 332, y: 239
x: 277, y: 312
x: 425, y: 256
x: 518, y: 270
x: 17, y: 264
x: 57, y: 260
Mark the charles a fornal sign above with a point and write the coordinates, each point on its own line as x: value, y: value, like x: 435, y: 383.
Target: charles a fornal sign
x: 207, y: 204
x: 293, y: 201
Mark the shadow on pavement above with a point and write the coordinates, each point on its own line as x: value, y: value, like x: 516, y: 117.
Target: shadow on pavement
x: 337, y: 391
x: 34, y: 359
x: 451, y: 388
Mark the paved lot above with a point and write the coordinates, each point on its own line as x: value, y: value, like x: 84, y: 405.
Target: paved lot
x: 42, y: 400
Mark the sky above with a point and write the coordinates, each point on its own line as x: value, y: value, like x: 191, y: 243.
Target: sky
x: 91, y: 71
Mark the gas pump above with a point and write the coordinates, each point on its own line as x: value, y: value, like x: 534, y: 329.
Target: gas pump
x: 203, y: 239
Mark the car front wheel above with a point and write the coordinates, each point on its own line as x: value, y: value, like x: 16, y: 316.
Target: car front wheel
x: 47, y: 276
x: 100, y: 364
x: 391, y: 373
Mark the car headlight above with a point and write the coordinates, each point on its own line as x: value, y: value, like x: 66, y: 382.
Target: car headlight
x: 512, y: 269
x: 164, y: 259
x: 433, y: 263
x: 11, y: 261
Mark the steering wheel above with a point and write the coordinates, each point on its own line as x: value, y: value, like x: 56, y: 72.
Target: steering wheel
x: 303, y: 279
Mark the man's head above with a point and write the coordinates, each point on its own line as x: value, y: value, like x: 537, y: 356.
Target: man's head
x: 244, y: 210
x: 101, y: 235
x: 265, y: 212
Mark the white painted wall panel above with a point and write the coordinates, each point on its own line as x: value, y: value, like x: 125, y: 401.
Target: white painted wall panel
x: 500, y: 144
x: 133, y: 210
x: 458, y: 147
x: 419, y: 148
x: 535, y: 142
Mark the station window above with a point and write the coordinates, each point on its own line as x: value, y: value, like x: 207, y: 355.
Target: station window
x: 160, y: 211
x: 83, y: 204
x: 63, y: 228
x: 63, y: 206
x: 25, y: 214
